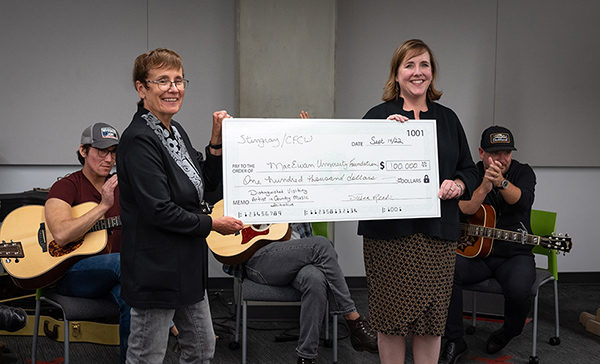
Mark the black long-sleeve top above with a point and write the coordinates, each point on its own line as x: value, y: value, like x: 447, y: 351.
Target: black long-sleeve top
x: 510, y: 217
x: 454, y: 161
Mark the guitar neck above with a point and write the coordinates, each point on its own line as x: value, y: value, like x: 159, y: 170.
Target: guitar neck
x: 107, y: 223
x: 489, y: 232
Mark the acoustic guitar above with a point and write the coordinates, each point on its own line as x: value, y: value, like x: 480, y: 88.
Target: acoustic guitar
x: 238, y: 248
x: 31, y: 256
x: 477, y: 236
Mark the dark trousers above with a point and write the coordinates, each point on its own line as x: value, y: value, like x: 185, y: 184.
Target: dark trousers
x: 516, y: 276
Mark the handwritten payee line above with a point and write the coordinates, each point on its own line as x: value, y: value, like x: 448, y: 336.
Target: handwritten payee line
x: 317, y: 170
x: 319, y: 184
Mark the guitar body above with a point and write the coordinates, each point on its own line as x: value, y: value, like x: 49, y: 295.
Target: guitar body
x: 477, y: 237
x: 237, y: 248
x: 478, y: 246
x: 43, y: 262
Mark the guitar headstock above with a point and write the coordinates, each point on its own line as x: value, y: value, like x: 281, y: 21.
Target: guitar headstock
x: 558, y: 242
x: 11, y: 250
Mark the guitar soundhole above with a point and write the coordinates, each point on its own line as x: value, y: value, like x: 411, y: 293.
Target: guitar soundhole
x: 261, y: 227
x: 57, y: 251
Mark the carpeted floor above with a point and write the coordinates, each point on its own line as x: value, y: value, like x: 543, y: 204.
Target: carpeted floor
x: 577, y: 345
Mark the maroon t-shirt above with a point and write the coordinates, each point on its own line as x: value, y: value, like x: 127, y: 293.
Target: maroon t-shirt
x: 76, y: 189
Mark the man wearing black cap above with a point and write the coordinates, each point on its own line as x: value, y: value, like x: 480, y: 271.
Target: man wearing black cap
x: 508, y: 186
x: 100, y: 274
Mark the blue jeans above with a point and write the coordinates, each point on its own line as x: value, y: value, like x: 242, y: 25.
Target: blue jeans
x: 516, y: 276
x: 310, y: 265
x: 150, y: 334
x: 98, y: 276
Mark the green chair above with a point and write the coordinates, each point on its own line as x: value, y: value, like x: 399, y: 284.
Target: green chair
x: 543, y: 223
x: 323, y: 229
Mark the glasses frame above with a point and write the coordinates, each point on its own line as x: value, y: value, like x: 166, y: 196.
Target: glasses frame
x: 102, y: 153
x: 162, y: 83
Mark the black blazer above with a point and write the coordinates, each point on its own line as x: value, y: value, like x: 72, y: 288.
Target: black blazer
x: 163, y: 245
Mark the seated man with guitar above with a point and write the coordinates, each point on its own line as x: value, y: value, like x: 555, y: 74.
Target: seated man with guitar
x: 96, y: 275
x: 309, y: 264
x: 507, y: 192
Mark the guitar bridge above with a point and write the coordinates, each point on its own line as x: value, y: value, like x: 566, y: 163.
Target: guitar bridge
x: 42, y: 237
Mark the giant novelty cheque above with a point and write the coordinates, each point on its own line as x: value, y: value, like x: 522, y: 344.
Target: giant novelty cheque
x: 304, y: 170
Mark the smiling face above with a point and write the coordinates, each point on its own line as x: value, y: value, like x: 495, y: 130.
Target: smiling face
x: 414, y: 76
x: 162, y: 104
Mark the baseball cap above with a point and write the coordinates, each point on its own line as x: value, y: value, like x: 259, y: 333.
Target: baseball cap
x: 497, y: 138
x: 100, y: 136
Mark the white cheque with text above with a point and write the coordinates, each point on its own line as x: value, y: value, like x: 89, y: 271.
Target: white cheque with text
x: 304, y: 170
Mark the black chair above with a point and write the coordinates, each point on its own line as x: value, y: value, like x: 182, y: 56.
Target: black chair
x: 73, y: 309
x: 543, y: 223
x: 249, y: 293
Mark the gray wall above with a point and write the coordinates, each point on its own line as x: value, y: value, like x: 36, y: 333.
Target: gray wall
x: 286, y: 58
x: 529, y: 65
x: 67, y: 64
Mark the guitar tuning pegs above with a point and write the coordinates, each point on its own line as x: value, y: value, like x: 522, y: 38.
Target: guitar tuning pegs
x: 566, y: 235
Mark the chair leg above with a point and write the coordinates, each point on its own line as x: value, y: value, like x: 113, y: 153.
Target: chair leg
x: 36, y: 328
x: 244, y: 330
x: 556, y: 340
x: 327, y: 322
x: 328, y: 343
x: 335, y: 338
x: 533, y: 359
x: 65, y: 322
x: 238, y: 310
x: 471, y: 330
x: 67, y: 325
x: 237, y: 289
x: 474, y: 318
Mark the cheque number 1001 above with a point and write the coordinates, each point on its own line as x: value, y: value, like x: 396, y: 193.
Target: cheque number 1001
x: 415, y: 132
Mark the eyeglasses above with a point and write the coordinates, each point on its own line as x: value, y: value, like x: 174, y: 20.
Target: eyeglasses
x: 104, y: 152
x: 165, y: 85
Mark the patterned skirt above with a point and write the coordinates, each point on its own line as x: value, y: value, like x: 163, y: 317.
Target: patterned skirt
x: 410, y: 283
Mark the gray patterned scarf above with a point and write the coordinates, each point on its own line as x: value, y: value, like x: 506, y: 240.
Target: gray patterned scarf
x: 177, y: 150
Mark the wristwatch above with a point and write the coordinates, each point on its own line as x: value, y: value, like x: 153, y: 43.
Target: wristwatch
x: 504, y: 184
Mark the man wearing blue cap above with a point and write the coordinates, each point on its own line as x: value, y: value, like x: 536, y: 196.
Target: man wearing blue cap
x: 509, y: 187
x: 100, y: 274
